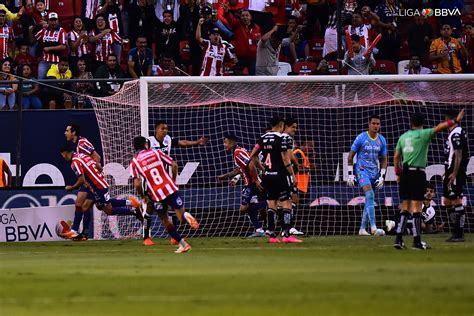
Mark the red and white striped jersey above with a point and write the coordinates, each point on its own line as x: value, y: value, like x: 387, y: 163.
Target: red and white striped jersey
x: 148, y: 164
x: 82, y: 49
x: 214, y: 58
x: 83, y: 164
x: 242, y: 159
x: 113, y: 22
x: 104, y: 47
x: 51, y: 38
x: 6, y: 36
x: 91, y: 7
x: 84, y: 146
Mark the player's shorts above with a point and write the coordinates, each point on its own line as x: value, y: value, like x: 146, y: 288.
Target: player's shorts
x: 277, y: 185
x: 84, y: 189
x: 251, y: 195
x: 174, y: 201
x: 455, y: 190
x: 412, y: 184
x: 100, y: 197
x: 365, y: 178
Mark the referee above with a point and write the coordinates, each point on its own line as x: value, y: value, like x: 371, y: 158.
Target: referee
x: 410, y: 159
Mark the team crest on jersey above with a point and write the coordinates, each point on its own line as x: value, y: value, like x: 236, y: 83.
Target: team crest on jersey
x: 179, y: 201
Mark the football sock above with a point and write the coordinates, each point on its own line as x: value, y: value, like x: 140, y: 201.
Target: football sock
x: 86, y: 222
x: 369, y: 205
x: 417, y: 228
x: 452, y: 219
x: 78, y: 213
x: 271, y: 220
x: 460, y: 219
x: 173, y: 218
x: 118, y: 203
x: 147, y: 226
x: 365, y: 218
x: 293, y: 212
x: 286, y: 221
x: 121, y: 211
x: 402, y: 224
x: 173, y: 232
x: 252, y: 213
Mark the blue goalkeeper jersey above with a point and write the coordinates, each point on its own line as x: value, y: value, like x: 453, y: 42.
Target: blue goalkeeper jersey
x: 368, y: 151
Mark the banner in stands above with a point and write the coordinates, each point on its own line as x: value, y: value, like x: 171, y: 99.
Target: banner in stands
x: 33, y: 224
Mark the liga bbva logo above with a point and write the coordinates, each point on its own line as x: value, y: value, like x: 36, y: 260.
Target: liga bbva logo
x: 430, y: 12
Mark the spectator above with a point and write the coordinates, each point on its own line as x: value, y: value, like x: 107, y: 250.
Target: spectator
x: 163, y: 6
x: 78, y: 44
x: 6, y: 35
x: 216, y: 53
x: 299, y: 47
x: 53, y: 41
x: 89, y: 13
x: 323, y: 68
x: 167, y: 37
x: 23, y: 58
x: 7, y: 90
x: 446, y: 52
x: 30, y: 89
x: 112, y: 12
x: 104, y: 38
x: 257, y: 10
x: 59, y: 98
x: 316, y: 10
x: 166, y: 66
x: 234, y: 7
x: 357, y: 64
x: 414, y: 67
x: 110, y: 70
x: 453, y: 20
x: 389, y: 45
x: 140, y: 59
x: 12, y: 17
x: 27, y: 20
x: 5, y: 182
x: 267, y: 52
x: 420, y: 35
x: 246, y: 36
x: 189, y: 18
x: 83, y: 88
x: 468, y: 41
x: 360, y: 28
x: 142, y: 20
x: 41, y: 15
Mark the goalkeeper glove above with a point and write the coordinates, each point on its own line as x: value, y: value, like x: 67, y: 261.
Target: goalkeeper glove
x: 351, y: 180
x: 381, y: 179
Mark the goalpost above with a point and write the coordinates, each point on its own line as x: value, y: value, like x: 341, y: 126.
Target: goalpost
x: 331, y: 111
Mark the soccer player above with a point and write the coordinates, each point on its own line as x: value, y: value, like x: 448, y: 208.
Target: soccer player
x: 150, y: 165
x: 278, y: 177
x: 410, y: 159
x: 89, y: 176
x: 251, y: 200
x: 289, y: 132
x: 456, y: 161
x: 370, y: 147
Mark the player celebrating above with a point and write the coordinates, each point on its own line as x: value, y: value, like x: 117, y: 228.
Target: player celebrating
x: 370, y: 148
x: 251, y: 203
x: 412, y: 147
x: 149, y: 164
x: 97, y: 188
x: 457, y: 159
x: 278, y: 176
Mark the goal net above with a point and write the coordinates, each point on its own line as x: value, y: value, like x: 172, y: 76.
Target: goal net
x: 330, y: 110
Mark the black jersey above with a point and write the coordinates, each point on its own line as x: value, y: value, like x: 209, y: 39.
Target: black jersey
x: 457, y: 139
x: 272, y: 144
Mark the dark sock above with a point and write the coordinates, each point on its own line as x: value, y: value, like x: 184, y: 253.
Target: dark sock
x: 252, y: 213
x: 293, y: 213
x: 271, y: 221
x: 86, y: 222
x: 417, y: 228
x: 279, y: 218
x: 78, y: 213
x: 460, y: 219
x: 118, y: 203
x: 452, y: 219
x: 147, y: 225
x: 402, y: 224
x: 121, y: 211
x: 173, y: 232
x: 286, y: 221
x: 175, y: 220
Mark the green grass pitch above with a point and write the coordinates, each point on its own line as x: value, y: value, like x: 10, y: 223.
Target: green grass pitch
x: 230, y: 276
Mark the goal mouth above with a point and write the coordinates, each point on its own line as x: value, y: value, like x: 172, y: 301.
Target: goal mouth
x: 330, y: 110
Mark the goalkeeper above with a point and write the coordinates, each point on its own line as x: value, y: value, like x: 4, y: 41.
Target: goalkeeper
x: 370, y: 147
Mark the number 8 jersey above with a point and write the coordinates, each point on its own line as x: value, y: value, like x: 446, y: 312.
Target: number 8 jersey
x: 149, y: 165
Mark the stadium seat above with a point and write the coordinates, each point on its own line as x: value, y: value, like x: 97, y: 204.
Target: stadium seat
x: 283, y: 69
x: 401, y: 66
x: 385, y: 67
x: 316, y: 48
x: 333, y: 67
x: 304, y: 68
x: 229, y: 69
x: 185, y: 51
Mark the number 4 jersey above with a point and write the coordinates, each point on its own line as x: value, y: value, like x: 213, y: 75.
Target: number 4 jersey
x: 272, y: 145
x: 149, y: 165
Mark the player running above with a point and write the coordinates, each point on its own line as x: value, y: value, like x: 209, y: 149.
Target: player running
x: 149, y: 164
x: 371, y: 148
x: 412, y: 147
x: 97, y: 188
x: 278, y: 177
x: 251, y: 200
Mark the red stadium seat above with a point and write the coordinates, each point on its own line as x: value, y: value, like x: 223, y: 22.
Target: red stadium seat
x: 385, y: 67
x: 333, y: 67
x: 229, y: 69
x: 304, y: 68
x: 316, y: 48
x: 185, y: 51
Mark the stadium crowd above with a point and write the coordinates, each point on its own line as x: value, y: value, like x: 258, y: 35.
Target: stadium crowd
x: 128, y: 39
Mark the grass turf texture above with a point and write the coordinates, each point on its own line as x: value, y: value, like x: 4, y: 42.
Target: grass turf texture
x: 227, y: 276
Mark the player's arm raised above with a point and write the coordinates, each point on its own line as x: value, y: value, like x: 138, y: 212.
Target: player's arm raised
x: 444, y: 125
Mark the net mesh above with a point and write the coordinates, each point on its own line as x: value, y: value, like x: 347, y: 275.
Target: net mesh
x: 330, y: 115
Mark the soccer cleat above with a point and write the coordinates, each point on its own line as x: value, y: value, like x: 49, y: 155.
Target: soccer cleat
x: 294, y: 231
x: 174, y: 242
x: 257, y: 234
x: 191, y: 220
x: 182, y: 249
x: 455, y: 239
x: 268, y: 233
x: 399, y: 244
x: 69, y: 234
x: 148, y: 242
x: 291, y: 240
x: 363, y: 232
x: 420, y: 246
x: 80, y: 237
x: 373, y: 230
x: 274, y: 240
x: 134, y: 201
